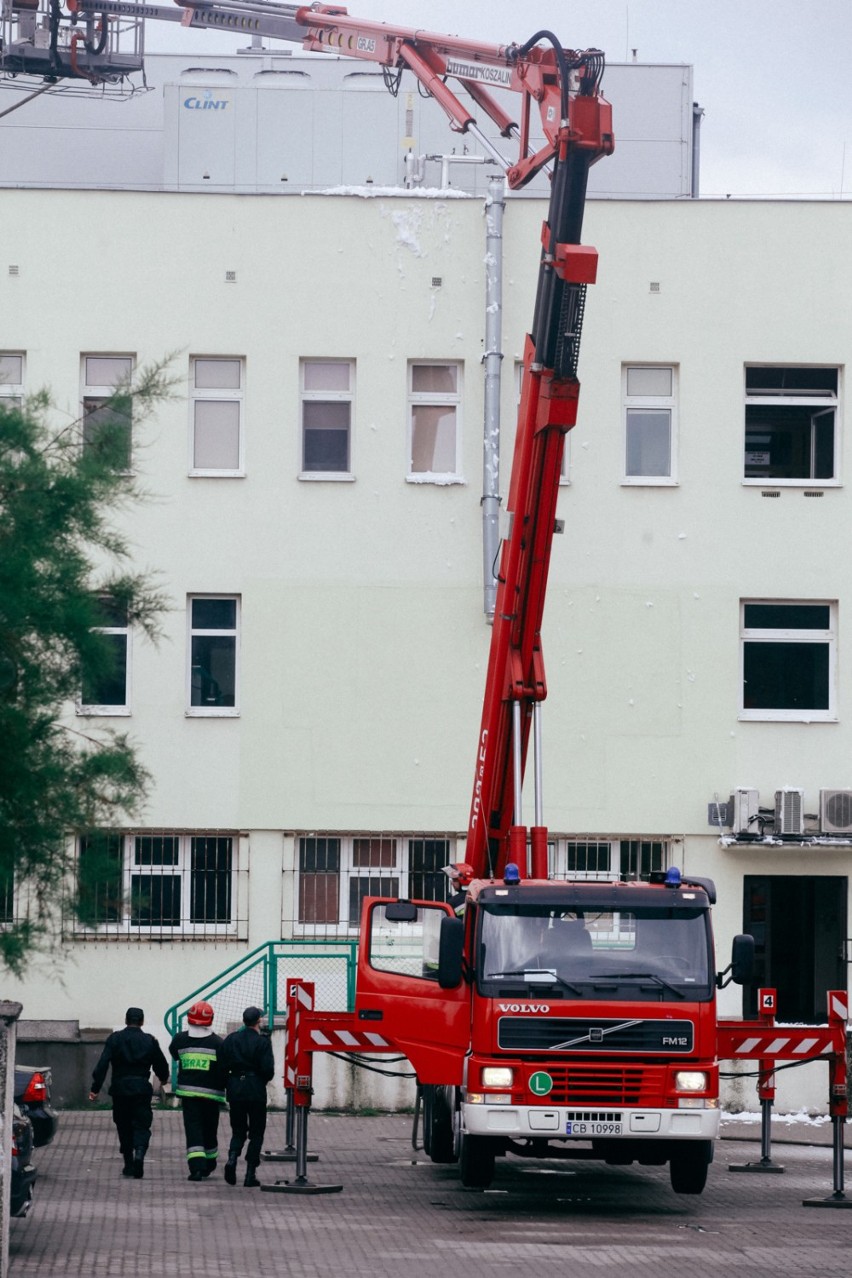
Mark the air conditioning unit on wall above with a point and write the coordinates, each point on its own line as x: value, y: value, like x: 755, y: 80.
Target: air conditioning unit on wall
x: 789, y: 811
x: 835, y: 811
x: 746, y: 807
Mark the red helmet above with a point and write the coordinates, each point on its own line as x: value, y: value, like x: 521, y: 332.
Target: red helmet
x: 200, y: 1014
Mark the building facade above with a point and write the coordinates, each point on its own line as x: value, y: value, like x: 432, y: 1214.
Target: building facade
x: 309, y: 718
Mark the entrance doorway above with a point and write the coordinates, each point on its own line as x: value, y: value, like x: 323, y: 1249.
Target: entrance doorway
x: 799, y: 927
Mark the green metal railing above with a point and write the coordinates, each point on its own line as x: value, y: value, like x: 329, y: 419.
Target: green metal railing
x: 260, y: 979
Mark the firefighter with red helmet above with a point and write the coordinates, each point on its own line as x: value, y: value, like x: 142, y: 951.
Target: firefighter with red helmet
x: 201, y: 1087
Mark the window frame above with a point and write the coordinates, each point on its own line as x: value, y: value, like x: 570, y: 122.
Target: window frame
x: 94, y: 709
x: 92, y: 393
x: 633, y: 403
x: 825, y: 402
x: 434, y: 399
x: 790, y: 635
x: 614, y: 857
x: 208, y: 394
x: 122, y: 924
x: 327, y: 396
x: 399, y: 877
x: 213, y: 711
x: 14, y: 391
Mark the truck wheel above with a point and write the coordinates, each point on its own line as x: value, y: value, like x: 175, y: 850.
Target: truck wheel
x: 476, y: 1162
x: 688, y: 1167
x: 437, y: 1125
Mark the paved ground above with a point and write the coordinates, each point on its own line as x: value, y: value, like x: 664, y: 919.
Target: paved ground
x: 399, y: 1215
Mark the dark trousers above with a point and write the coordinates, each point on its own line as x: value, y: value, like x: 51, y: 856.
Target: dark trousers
x: 133, y: 1117
x: 248, y: 1119
x: 200, y: 1126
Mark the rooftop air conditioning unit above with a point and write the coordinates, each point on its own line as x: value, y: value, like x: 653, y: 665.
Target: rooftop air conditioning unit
x: 746, y: 806
x: 835, y: 811
x: 789, y: 811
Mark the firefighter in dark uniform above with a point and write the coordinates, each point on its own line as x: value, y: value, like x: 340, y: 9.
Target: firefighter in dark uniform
x: 247, y: 1057
x: 132, y: 1054
x: 201, y: 1087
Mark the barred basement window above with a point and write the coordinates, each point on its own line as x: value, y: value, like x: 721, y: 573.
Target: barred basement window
x: 336, y: 873
x: 639, y: 857
x: 158, y: 884
x: 607, y: 858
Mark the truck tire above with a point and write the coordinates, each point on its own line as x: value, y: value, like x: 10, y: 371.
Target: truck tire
x: 476, y: 1162
x: 437, y: 1125
x: 688, y: 1167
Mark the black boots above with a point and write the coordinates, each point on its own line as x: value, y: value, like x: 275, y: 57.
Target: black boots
x: 250, y: 1182
x: 138, y: 1164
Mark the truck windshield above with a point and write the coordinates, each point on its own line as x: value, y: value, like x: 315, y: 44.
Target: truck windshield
x: 650, y: 952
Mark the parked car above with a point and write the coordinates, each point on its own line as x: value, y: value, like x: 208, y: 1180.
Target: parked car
x: 24, y: 1174
x: 32, y: 1095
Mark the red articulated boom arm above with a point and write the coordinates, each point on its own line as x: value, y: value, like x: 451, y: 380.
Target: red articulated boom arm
x: 563, y: 85
x: 515, y: 680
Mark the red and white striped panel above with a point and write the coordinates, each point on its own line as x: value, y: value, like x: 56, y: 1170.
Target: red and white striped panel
x: 333, y: 1040
x: 838, y: 1004
x: 782, y: 1045
x: 299, y: 994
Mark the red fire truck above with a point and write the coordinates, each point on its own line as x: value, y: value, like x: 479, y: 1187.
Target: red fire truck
x: 542, y: 1017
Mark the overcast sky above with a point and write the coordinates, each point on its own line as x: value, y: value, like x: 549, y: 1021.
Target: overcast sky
x: 773, y: 76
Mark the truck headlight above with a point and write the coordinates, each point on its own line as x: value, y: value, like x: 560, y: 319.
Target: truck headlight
x: 690, y: 1080
x: 497, y: 1076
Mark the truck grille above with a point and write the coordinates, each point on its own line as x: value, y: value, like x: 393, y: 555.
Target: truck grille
x: 579, y: 1034
x: 606, y: 1085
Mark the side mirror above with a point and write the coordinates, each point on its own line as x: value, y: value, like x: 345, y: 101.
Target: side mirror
x: 742, y: 960
x: 450, y: 950
x: 401, y: 912
x: 741, y: 967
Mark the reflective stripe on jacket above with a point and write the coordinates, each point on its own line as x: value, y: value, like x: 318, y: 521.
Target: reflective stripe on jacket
x: 200, y: 1071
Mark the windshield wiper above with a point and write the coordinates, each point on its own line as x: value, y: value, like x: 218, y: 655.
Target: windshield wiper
x: 641, y: 976
x: 533, y: 976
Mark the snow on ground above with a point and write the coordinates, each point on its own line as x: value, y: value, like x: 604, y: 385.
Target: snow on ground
x: 747, y: 1116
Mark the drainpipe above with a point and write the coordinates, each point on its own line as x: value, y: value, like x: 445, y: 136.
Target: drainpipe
x: 697, y: 113
x: 492, y: 359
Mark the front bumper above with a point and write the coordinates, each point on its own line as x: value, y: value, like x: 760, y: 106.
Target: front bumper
x: 558, y: 1122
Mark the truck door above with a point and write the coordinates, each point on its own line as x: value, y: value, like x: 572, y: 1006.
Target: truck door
x: 397, y: 991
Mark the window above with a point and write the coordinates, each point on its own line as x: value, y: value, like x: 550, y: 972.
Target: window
x: 107, y: 413
x: 650, y: 423
x: 326, y: 393
x: 106, y: 690
x: 788, y: 660
x: 213, y: 655
x: 337, y: 872
x: 216, y: 405
x: 608, y: 858
x: 11, y: 379
x: 7, y: 895
x: 434, y: 421
x: 158, y: 883
x: 790, y: 416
